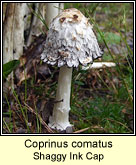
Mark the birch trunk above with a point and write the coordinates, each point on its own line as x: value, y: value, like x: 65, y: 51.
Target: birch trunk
x: 8, y: 33
x: 8, y: 41
x: 18, y: 32
x: 52, y: 10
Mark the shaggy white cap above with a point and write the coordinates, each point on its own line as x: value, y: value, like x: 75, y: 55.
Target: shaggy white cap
x: 70, y: 40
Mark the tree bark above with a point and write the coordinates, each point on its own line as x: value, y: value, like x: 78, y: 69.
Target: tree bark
x: 52, y: 10
x: 18, y: 31
x: 8, y: 33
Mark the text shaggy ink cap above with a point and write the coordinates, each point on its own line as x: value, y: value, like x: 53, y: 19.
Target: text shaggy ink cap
x: 70, y: 40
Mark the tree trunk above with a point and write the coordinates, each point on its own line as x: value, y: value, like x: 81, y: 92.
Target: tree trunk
x: 13, y: 35
x: 8, y: 33
x: 52, y: 10
x: 18, y: 31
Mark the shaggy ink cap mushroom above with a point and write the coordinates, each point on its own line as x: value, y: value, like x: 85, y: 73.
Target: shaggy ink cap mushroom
x: 70, y: 40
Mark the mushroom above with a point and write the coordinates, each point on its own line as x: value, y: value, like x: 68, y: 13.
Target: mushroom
x: 70, y: 41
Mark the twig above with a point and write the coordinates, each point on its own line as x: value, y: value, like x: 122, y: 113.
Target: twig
x: 82, y: 130
x: 6, y: 125
x: 6, y: 130
x: 119, y: 123
x: 99, y: 65
x: 40, y: 119
x: 85, y: 129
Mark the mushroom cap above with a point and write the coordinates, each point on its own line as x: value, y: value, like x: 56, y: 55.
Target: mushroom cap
x: 70, y: 40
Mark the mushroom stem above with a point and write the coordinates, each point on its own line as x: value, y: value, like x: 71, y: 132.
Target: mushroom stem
x: 60, y: 117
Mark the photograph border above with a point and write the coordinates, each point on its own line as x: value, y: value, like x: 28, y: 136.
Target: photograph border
x: 66, y: 134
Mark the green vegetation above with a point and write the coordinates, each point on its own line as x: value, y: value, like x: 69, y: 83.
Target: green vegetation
x: 101, y: 99
x: 9, y: 67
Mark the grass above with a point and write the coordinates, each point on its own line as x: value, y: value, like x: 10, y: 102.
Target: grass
x: 106, y: 112
x: 101, y: 100
x: 103, y: 112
